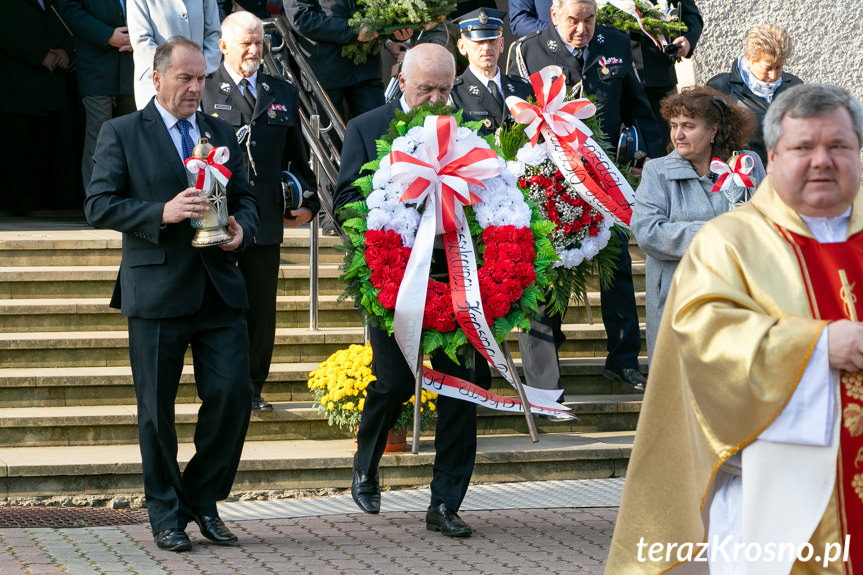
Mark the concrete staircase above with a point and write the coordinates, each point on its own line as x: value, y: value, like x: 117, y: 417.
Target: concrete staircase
x: 67, y: 407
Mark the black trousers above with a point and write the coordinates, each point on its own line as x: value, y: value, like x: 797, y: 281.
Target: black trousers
x: 455, y: 433
x: 655, y: 94
x: 219, y: 343
x: 620, y: 316
x: 359, y: 98
x: 260, y: 268
x: 539, y: 348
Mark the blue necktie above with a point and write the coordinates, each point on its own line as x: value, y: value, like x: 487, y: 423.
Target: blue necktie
x: 185, y: 139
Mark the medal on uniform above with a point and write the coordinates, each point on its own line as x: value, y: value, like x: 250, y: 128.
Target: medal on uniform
x: 487, y: 122
x: 271, y: 113
x: 604, y: 63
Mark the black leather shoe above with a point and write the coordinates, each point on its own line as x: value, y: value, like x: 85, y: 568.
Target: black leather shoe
x: 366, y: 490
x: 172, y: 540
x: 440, y: 518
x: 214, y: 529
x: 627, y: 375
x: 261, y: 404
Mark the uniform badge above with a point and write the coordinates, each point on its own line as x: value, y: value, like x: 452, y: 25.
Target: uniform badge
x: 483, y: 17
x: 552, y: 45
x: 510, y: 88
x: 266, y: 87
x: 215, y: 114
x: 221, y: 106
x: 225, y: 88
x: 474, y: 90
x: 600, y: 39
x: 487, y: 122
x: 271, y: 113
x: 208, y: 136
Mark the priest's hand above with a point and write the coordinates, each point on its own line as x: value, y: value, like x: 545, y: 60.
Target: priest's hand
x: 845, y: 345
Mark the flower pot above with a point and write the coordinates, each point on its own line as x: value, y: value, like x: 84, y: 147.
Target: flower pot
x: 396, y: 440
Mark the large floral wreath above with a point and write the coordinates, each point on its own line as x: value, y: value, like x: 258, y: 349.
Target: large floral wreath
x: 513, y: 251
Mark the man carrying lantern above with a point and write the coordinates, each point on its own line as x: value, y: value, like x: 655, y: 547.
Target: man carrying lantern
x: 427, y: 75
x: 600, y: 61
x: 176, y: 295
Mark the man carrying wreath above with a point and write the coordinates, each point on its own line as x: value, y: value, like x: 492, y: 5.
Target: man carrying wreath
x: 427, y: 75
x: 600, y: 60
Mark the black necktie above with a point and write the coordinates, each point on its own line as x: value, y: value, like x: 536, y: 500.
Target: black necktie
x: 495, y: 94
x: 579, y: 57
x: 247, y: 93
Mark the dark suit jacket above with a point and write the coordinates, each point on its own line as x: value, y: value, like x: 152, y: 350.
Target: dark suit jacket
x: 102, y: 69
x: 276, y: 142
x: 322, y: 29
x: 471, y: 95
x: 359, y: 148
x: 619, y: 92
x: 654, y: 68
x: 27, y: 32
x: 137, y: 170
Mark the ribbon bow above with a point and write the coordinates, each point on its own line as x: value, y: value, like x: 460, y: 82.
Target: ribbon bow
x: 564, y: 120
x: 437, y: 184
x: 211, y: 168
x: 735, y: 174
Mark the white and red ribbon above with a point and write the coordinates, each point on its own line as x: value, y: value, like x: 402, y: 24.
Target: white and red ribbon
x: 542, y: 401
x: 441, y: 186
x: 736, y: 174
x: 213, y: 167
x: 567, y: 140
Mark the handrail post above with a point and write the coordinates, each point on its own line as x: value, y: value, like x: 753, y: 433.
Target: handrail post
x: 315, y: 121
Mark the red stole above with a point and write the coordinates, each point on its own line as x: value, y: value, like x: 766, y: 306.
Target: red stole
x: 833, y: 276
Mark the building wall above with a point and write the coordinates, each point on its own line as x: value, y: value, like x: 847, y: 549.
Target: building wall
x: 827, y: 37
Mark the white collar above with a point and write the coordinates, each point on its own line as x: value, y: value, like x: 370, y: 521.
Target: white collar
x: 485, y: 79
x: 829, y: 230
x: 170, y: 119
x: 253, y: 79
x: 404, y: 104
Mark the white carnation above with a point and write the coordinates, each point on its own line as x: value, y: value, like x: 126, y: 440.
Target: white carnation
x: 532, y: 155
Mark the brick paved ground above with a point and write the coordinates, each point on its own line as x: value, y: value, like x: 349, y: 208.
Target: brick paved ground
x: 534, y: 541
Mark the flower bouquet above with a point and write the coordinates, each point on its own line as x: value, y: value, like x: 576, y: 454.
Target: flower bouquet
x: 512, y: 251
x: 339, y: 385
x: 642, y: 17
x: 564, y: 172
x: 387, y: 16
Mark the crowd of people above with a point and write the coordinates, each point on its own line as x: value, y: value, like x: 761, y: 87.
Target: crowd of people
x: 191, y: 70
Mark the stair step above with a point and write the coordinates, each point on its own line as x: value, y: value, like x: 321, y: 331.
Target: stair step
x: 68, y: 386
x: 110, y: 348
x: 314, y: 464
x: 98, y: 281
x: 92, y: 247
x: 117, y: 424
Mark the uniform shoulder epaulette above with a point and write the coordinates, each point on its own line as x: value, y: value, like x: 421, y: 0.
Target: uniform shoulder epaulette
x: 457, y: 81
x: 516, y: 78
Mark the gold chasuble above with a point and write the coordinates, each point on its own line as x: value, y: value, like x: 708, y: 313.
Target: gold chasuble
x: 738, y: 330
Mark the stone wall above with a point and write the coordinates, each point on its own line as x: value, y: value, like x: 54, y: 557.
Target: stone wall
x: 827, y: 36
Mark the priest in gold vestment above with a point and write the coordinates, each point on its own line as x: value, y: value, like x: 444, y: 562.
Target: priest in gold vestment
x: 748, y: 457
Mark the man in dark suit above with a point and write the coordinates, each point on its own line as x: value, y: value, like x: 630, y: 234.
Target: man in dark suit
x: 322, y: 30
x: 268, y: 107
x: 103, y: 53
x: 482, y: 90
x: 176, y: 295
x: 600, y: 59
x: 426, y: 76
x: 656, y: 69
x: 34, y: 58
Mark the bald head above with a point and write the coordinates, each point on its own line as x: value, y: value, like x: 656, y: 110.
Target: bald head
x: 242, y: 43
x: 427, y: 74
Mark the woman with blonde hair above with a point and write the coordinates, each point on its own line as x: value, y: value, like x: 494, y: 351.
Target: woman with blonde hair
x: 757, y: 76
